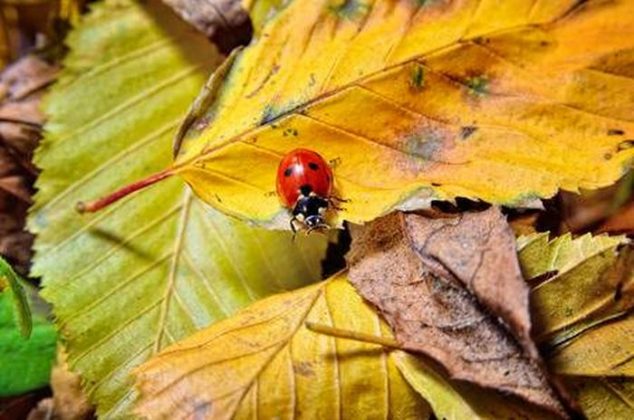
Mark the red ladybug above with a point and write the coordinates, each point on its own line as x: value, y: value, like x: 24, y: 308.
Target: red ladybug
x: 304, y: 184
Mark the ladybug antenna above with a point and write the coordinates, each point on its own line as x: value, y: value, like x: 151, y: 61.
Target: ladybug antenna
x: 100, y: 203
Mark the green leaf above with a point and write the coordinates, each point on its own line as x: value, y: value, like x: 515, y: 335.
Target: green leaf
x: 159, y: 265
x: 25, y: 364
x: 20, y: 302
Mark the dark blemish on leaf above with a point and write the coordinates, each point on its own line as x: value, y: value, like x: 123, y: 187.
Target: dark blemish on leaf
x: 290, y: 132
x: 304, y: 368
x: 627, y: 144
x: 478, y: 85
x: 270, y: 193
x: 467, y: 131
x: 313, y: 166
x: 544, y: 43
x: 218, y: 198
x: 269, y: 114
x: 425, y: 145
x: 288, y: 171
x: 482, y: 40
x: 435, y: 184
x: 311, y: 80
x: 334, y: 162
x: 607, y: 156
x: 417, y: 77
x: 350, y: 9
x: 615, y: 132
x: 202, y: 410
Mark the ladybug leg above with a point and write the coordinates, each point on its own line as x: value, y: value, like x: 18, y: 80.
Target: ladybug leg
x: 334, y: 202
x: 338, y: 199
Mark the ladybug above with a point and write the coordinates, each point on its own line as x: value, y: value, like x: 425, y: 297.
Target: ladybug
x: 304, y: 185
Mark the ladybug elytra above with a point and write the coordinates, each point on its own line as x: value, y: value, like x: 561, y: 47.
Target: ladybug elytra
x: 304, y: 185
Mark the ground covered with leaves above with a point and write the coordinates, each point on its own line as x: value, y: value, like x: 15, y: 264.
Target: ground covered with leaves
x: 481, y: 265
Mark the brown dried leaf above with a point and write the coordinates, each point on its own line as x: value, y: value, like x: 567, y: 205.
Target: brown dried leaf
x: 430, y: 278
x: 69, y: 400
x: 223, y: 21
x: 21, y: 88
x: 621, y: 222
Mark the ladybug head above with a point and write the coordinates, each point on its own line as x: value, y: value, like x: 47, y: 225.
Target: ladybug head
x: 315, y: 222
x: 310, y: 210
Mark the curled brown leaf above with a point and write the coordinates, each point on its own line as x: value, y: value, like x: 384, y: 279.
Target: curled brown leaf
x: 451, y: 288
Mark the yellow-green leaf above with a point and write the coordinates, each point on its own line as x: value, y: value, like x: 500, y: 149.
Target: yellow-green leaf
x: 415, y: 100
x: 453, y: 400
x: 604, y: 398
x: 264, y: 363
x: 158, y: 266
x: 583, y: 287
x: 605, y: 350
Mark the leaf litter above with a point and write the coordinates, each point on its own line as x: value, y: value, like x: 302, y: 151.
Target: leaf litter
x: 451, y: 288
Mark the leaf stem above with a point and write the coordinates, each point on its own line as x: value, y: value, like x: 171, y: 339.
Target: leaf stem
x: 100, y: 203
x: 353, y: 335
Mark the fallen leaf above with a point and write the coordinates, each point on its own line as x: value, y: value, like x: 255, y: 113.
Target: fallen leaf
x: 436, y: 281
x: 468, y: 98
x: 621, y: 222
x: 69, y: 401
x: 18, y: 407
x: 21, y: 309
x: 583, y: 283
x: 22, y: 85
x: 604, y: 350
x: 223, y: 21
x: 264, y: 363
x: 605, y: 398
x: 459, y: 400
x: 25, y: 364
x: 153, y: 269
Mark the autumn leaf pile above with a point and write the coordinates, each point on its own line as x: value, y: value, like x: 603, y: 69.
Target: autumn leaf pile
x: 458, y: 131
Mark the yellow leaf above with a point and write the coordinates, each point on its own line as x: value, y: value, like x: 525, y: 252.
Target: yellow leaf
x: 264, y: 363
x: 459, y: 400
x: 605, y: 350
x: 415, y: 100
x: 581, y: 290
x: 605, y: 398
x: 156, y: 267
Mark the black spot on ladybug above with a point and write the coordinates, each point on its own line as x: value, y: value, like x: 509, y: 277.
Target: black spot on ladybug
x: 313, y: 166
x: 615, y: 132
x: 305, y: 190
x: 288, y: 171
x: 467, y: 131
